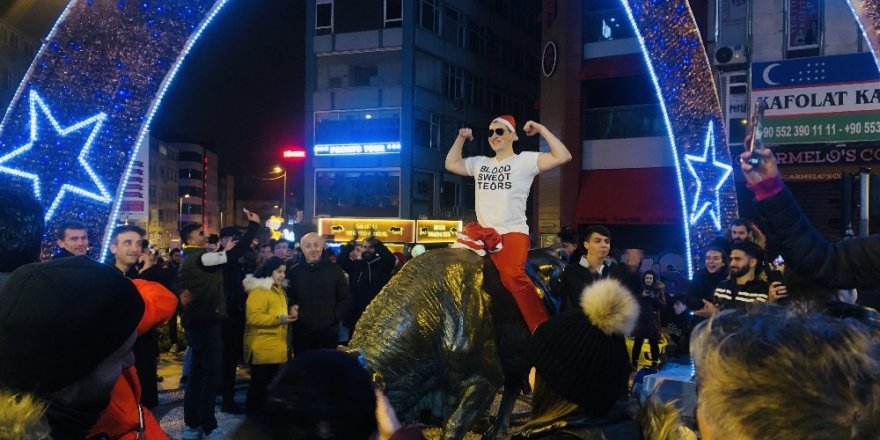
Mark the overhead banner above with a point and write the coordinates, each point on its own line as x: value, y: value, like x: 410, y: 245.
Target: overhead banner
x: 819, y: 99
x: 392, y: 230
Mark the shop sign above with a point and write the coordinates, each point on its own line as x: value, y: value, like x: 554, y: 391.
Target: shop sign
x: 437, y: 231
x: 390, y: 230
x: 819, y: 99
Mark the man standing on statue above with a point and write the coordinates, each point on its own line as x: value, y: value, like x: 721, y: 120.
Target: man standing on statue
x: 503, y: 184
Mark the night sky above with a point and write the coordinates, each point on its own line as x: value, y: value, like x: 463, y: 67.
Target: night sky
x: 239, y: 92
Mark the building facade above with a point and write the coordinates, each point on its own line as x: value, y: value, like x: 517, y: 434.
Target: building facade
x: 596, y: 92
x: 164, y: 219
x: 198, y: 194
x: 388, y: 85
x: 17, y: 51
x: 808, y: 60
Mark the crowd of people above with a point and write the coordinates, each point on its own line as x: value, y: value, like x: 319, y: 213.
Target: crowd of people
x: 779, y: 351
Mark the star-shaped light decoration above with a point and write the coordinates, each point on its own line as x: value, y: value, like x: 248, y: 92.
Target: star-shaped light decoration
x: 715, y: 173
x: 46, y: 181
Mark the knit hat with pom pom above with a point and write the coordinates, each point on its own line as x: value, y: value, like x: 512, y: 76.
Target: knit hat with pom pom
x: 581, y: 354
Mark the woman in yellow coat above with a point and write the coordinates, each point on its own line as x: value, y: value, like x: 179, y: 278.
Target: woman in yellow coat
x: 265, y: 334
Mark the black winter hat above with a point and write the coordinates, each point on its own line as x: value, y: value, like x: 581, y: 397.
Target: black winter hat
x: 581, y: 354
x: 329, y: 386
x: 60, y: 319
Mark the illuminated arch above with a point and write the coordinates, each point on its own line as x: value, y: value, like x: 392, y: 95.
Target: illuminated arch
x: 682, y: 78
x: 73, y: 128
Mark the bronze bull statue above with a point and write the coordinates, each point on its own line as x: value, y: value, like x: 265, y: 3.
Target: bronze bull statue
x: 444, y: 335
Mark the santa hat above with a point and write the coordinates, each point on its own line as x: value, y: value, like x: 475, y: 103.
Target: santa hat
x: 507, y: 121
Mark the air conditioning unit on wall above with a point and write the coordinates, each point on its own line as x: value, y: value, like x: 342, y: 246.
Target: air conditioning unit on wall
x: 729, y: 55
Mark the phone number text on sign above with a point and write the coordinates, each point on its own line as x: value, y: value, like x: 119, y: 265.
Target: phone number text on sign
x: 787, y: 131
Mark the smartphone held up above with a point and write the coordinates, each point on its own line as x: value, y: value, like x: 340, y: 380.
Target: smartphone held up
x: 756, y: 128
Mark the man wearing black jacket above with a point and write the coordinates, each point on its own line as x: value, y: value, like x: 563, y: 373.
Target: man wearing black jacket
x: 318, y: 286
x: 368, y: 273
x: 132, y: 259
x: 204, y: 311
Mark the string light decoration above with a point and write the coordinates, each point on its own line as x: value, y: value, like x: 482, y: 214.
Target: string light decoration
x: 73, y: 127
x: 867, y: 14
x: 706, y: 199
x: 41, y: 149
x: 682, y: 78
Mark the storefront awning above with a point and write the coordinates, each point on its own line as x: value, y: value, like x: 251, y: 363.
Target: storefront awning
x: 633, y: 196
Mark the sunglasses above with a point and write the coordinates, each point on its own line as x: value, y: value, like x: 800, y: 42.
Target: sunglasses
x: 497, y: 132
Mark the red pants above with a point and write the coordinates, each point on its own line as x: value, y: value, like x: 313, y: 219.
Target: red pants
x: 511, y: 264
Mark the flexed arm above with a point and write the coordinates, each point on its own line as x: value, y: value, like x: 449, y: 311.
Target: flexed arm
x: 454, y: 162
x: 558, y: 154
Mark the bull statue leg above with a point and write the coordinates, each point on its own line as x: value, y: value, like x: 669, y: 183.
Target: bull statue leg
x: 505, y: 410
x: 474, y: 398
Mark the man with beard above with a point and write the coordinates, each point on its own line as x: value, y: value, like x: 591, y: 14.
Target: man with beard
x: 742, y: 288
x: 369, y: 266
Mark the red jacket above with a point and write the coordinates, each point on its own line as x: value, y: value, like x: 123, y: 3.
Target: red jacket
x: 124, y: 417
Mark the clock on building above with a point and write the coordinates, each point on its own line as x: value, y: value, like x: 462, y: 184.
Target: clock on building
x: 549, y: 58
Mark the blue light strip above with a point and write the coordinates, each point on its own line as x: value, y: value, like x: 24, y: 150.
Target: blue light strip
x: 145, y: 128
x: 872, y: 42
x: 670, y: 135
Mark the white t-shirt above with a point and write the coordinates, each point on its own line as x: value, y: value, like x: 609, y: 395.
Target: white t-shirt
x: 502, y: 189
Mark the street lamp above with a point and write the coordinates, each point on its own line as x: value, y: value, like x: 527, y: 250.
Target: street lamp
x: 180, y: 211
x: 283, y: 172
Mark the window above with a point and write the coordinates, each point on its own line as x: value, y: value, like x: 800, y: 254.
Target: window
x: 324, y: 17
x: 434, y: 132
x: 357, y: 127
x: 354, y: 193
x: 429, y: 15
x: 454, y: 27
x: 803, y: 28
x: 606, y: 25
x: 476, y: 39
x: 393, y: 13
x: 6, y: 78
x: 453, y: 77
x: 193, y: 191
x: 187, y: 173
x: 449, y: 195
x: 363, y: 76
x: 192, y: 209
x: 190, y: 156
